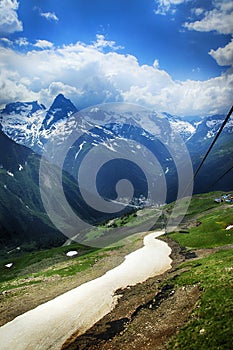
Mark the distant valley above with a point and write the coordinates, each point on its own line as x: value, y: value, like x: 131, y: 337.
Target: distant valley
x: 26, y: 127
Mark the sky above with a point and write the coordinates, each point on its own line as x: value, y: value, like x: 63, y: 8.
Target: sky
x: 172, y: 56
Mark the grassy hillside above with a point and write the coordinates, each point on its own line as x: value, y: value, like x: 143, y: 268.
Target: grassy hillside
x: 211, y: 324
x: 36, y: 263
x: 189, y: 307
x: 206, y: 222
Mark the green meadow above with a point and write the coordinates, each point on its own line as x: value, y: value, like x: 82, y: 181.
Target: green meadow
x: 210, y: 325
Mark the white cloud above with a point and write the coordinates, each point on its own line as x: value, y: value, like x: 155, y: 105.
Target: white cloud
x: 43, y: 44
x: 223, y: 55
x: 102, y: 43
x: 89, y: 76
x: 197, y: 11
x: 164, y: 6
x: 156, y: 64
x: 22, y: 42
x: 218, y: 19
x: 9, y: 21
x: 50, y: 16
x: 47, y: 94
x: 12, y: 85
x: 196, y: 69
x: 6, y: 41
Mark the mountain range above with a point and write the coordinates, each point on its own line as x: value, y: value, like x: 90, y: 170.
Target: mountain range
x: 27, y: 127
x: 24, y: 223
x: 31, y: 123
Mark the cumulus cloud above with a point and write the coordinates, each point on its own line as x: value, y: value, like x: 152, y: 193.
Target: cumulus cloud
x: 218, y: 19
x: 43, y: 44
x: 223, y: 55
x: 9, y: 21
x: 50, y: 16
x: 13, y: 85
x: 89, y: 76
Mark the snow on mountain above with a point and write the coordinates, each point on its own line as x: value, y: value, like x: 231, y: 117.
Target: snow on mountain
x: 184, y: 128
x: 60, y: 109
x: 21, y: 122
x: 23, y: 108
x: 213, y: 123
x: 31, y: 124
x: 207, y: 129
x: 129, y: 132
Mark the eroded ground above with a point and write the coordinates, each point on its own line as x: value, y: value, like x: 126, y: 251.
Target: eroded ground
x: 147, y: 315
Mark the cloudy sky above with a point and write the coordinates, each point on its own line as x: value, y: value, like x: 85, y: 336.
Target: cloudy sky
x: 169, y: 55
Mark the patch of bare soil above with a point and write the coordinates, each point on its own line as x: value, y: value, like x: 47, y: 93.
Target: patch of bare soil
x: 147, y: 315
x: 16, y: 301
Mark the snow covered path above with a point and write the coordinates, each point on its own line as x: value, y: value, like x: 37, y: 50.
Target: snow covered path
x: 50, y: 324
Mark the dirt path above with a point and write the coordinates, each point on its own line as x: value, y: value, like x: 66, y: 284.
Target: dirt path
x: 48, y: 325
x: 19, y: 300
x: 147, y: 315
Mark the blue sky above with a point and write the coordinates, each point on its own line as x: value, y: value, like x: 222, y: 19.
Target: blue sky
x: 169, y: 55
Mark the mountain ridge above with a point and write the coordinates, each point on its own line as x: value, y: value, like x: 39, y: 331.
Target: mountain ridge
x: 61, y: 108
x: 23, y: 221
x: 31, y: 123
x: 24, y: 131
x: 34, y: 129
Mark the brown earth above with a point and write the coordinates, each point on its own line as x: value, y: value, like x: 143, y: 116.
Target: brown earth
x: 15, y: 302
x: 146, y: 316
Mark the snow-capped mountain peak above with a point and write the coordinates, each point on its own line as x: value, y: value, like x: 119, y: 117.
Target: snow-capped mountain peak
x: 60, y: 109
x: 31, y: 124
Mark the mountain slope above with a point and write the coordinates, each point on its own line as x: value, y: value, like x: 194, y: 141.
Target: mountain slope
x: 189, y: 302
x: 23, y: 221
x: 206, y: 130
x: 60, y: 109
x: 32, y: 125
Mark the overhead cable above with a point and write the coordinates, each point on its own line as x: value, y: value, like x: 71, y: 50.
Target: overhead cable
x: 214, y: 141
x: 226, y: 172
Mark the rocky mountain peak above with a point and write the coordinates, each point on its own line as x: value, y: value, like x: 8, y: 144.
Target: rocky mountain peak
x: 61, y: 108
